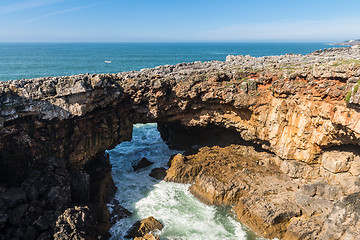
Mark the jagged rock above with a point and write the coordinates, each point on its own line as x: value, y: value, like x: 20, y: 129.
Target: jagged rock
x: 158, y: 173
x: 75, y: 223
x: 178, y: 165
x: 344, y: 220
x: 295, y: 106
x: 142, y: 227
x: 147, y: 237
x: 143, y: 163
x: 119, y: 212
x: 266, y: 199
x: 336, y: 161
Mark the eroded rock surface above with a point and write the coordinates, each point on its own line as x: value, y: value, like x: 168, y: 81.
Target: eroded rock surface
x: 303, y: 109
x: 266, y: 198
x: 141, y: 228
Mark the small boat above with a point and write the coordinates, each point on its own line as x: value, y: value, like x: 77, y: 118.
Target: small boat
x: 107, y: 61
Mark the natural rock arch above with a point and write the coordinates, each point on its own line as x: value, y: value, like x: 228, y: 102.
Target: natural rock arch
x: 288, y: 105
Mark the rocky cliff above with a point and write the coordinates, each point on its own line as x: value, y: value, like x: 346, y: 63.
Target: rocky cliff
x: 302, y: 110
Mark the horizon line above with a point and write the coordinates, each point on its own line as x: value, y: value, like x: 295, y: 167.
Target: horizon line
x: 321, y: 42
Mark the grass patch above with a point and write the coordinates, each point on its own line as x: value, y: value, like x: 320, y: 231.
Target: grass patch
x: 348, y: 96
x: 356, y: 88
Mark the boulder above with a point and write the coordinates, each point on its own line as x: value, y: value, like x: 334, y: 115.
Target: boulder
x: 119, y: 212
x: 336, y: 161
x: 143, y: 163
x: 147, y: 237
x: 142, y: 227
x: 158, y: 173
x: 75, y: 223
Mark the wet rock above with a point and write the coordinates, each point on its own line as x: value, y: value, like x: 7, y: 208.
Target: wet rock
x: 144, y: 162
x: 119, y: 212
x: 158, y: 173
x: 142, y: 227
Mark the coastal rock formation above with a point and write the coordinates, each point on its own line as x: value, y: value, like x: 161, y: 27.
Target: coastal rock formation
x: 141, y: 228
x: 302, y: 109
x: 144, y: 162
x: 264, y: 196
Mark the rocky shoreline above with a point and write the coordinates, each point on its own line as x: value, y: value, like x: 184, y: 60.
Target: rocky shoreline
x: 297, y: 117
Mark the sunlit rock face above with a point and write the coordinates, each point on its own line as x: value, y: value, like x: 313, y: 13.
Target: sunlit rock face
x: 302, y: 109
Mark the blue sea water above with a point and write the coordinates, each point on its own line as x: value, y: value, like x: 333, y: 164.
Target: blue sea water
x: 31, y: 60
x: 183, y: 216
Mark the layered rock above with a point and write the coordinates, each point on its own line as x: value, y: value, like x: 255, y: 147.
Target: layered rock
x: 141, y: 228
x: 265, y: 198
x: 303, y: 109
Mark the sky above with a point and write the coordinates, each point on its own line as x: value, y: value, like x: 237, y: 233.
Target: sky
x: 179, y: 20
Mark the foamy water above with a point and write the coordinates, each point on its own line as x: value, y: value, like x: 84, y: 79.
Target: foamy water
x: 183, y: 216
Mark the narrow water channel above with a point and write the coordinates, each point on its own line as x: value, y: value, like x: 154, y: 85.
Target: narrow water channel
x: 183, y: 216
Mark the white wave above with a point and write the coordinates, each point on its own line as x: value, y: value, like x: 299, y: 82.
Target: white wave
x: 183, y: 216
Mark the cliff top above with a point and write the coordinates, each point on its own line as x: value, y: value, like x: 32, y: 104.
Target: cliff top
x: 32, y: 95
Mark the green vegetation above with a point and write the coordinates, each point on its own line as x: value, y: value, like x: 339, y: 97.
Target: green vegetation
x: 348, y: 96
x: 356, y: 88
x: 350, y: 93
x: 346, y: 61
x: 203, y: 76
x: 244, y: 79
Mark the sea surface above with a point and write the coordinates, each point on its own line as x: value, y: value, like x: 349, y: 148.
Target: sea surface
x: 32, y: 60
x: 184, y: 217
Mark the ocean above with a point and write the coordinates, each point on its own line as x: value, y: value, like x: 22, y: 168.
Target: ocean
x: 184, y: 217
x: 32, y: 60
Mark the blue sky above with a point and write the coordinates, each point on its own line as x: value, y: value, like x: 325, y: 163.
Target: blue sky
x: 178, y: 21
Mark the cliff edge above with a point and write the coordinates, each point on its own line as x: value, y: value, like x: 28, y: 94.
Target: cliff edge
x: 301, y: 109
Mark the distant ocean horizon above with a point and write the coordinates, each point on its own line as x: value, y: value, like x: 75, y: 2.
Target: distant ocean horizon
x: 33, y: 60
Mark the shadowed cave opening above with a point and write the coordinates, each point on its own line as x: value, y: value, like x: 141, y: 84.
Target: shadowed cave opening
x: 146, y: 196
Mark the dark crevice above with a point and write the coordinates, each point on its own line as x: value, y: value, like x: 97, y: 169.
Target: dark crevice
x: 190, y: 139
x: 351, y: 148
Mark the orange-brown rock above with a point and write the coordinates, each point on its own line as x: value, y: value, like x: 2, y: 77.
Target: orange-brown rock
x: 147, y: 237
x: 143, y: 227
x: 265, y: 198
x: 303, y: 109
